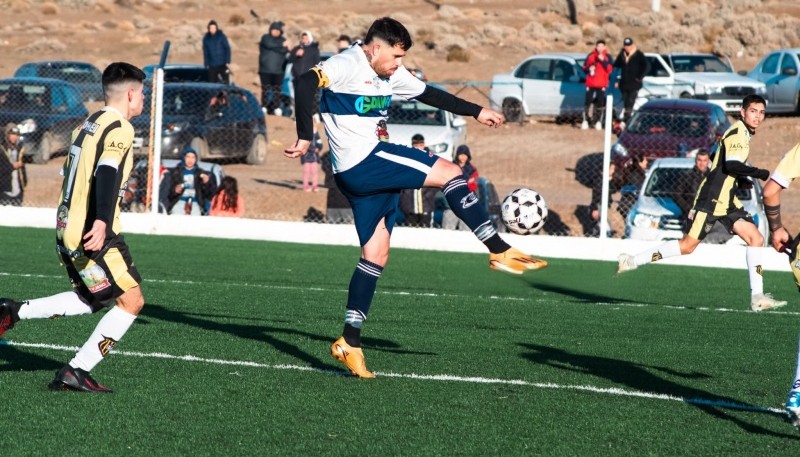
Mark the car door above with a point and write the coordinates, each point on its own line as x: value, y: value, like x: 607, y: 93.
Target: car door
x: 242, y: 123
x: 218, y: 118
x: 767, y: 72
x: 784, y: 90
x: 539, y: 91
x: 570, y: 86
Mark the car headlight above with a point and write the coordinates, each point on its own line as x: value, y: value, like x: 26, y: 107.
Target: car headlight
x: 619, y: 150
x: 27, y: 126
x: 645, y: 220
x: 438, y: 148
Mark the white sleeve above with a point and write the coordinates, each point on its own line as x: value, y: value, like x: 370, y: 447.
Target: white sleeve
x: 335, y: 69
x: 405, y: 85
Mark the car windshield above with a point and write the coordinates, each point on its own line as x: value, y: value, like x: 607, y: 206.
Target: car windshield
x: 181, y: 102
x: 678, y: 123
x: 77, y: 74
x: 415, y: 113
x: 664, y: 182
x: 24, y: 97
x: 699, y: 64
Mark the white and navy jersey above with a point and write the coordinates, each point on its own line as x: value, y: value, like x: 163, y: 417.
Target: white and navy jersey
x: 355, y: 104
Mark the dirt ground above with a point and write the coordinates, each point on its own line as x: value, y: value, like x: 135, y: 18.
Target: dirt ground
x: 538, y: 154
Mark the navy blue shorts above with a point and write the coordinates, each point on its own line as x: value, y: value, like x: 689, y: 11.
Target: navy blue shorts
x: 373, y: 186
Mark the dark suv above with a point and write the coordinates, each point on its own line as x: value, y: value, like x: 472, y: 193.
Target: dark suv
x: 85, y: 76
x: 669, y: 128
x: 46, y: 110
x: 217, y: 120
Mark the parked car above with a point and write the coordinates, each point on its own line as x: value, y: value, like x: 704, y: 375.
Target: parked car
x: 708, y: 77
x: 443, y: 131
x: 217, y: 120
x: 656, y: 215
x: 46, y: 110
x: 179, y: 73
x: 85, y: 76
x: 779, y: 71
x: 669, y: 128
x: 555, y: 85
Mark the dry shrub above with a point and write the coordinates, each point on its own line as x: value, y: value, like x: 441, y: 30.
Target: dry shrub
x: 42, y: 45
x: 142, y: 23
x: 50, y: 9
x: 561, y: 7
x: 566, y: 34
x: 448, y: 12
x: 236, y: 19
x: 612, y: 33
x: 697, y: 15
x: 671, y: 37
x: 456, y: 53
x: 126, y: 26
x: 111, y: 25
x: 187, y: 5
x: 534, y: 30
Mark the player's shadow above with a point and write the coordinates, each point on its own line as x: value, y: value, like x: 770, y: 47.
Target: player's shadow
x: 14, y: 359
x: 581, y: 296
x: 642, y: 378
x: 266, y: 334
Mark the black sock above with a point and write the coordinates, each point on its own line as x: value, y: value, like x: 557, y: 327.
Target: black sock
x: 465, y: 206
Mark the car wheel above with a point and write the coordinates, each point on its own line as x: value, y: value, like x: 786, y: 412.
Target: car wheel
x: 44, y: 149
x: 512, y: 110
x: 258, y: 151
x: 201, y: 146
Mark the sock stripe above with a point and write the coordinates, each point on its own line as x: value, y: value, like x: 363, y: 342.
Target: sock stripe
x: 369, y: 269
x: 354, y: 318
x: 485, y: 231
x: 453, y: 184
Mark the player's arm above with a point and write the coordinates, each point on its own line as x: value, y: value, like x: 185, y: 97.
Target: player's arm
x: 738, y: 149
x: 307, y: 85
x: 106, y: 195
x: 448, y: 102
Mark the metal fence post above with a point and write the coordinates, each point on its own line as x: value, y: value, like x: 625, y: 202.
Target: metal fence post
x: 604, y: 226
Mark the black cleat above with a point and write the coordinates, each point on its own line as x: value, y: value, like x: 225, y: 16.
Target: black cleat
x: 69, y: 378
x: 9, y: 314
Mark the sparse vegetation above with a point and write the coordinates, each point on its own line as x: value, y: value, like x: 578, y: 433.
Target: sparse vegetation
x: 456, y: 53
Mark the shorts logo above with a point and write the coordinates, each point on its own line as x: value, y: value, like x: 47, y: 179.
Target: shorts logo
x: 469, y: 200
x: 656, y: 257
x: 61, y: 220
x: 106, y: 346
x: 95, y: 279
x: 708, y: 227
x: 90, y: 127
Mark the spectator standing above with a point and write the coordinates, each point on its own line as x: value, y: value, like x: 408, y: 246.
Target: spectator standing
x: 272, y: 55
x: 192, y: 188
x: 12, y: 170
x: 633, y: 67
x: 310, y: 161
x: 227, y: 202
x: 343, y: 43
x: 304, y: 56
x: 216, y: 54
x: 464, y: 160
x: 598, y: 67
x: 418, y: 204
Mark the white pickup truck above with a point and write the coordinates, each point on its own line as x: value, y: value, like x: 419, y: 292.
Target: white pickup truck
x: 707, y: 77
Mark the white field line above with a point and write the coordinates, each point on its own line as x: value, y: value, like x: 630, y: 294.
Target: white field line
x: 421, y: 294
x: 439, y: 377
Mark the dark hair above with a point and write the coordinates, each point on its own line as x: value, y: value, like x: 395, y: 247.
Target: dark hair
x: 600, y: 41
x: 231, y: 189
x: 121, y: 72
x: 702, y: 152
x: 391, y: 31
x: 344, y: 38
x: 417, y: 138
x: 753, y: 98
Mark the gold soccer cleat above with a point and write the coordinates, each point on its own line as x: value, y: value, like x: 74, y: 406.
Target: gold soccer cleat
x: 351, y: 357
x: 515, y: 262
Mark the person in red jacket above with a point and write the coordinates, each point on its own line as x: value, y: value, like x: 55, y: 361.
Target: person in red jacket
x: 598, y: 67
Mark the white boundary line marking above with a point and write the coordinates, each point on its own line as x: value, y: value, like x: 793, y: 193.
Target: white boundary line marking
x: 413, y: 376
x: 426, y: 294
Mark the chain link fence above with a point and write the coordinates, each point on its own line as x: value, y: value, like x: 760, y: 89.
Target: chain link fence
x: 651, y: 178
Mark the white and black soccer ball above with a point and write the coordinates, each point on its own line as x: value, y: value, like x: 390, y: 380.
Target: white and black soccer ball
x: 524, y: 211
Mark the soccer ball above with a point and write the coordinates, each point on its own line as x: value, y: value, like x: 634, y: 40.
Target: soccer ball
x: 524, y: 211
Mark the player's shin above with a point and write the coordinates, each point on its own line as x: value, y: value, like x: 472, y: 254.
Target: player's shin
x: 665, y: 250
x: 753, y: 256
x: 467, y: 207
x: 359, y: 299
x: 108, y: 332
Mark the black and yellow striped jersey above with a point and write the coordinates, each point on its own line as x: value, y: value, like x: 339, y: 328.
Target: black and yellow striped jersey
x: 789, y: 168
x: 105, y: 138
x: 717, y: 192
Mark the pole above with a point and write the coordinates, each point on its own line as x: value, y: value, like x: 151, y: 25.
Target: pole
x: 156, y: 129
x: 604, y: 227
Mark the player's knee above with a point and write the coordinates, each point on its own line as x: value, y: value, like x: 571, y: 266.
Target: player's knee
x: 131, y: 301
x: 756, y: 240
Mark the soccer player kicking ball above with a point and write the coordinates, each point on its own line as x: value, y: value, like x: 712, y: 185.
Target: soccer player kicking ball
x: 357, y: 88
x: 716, y: 202
x: 786, y: 172
x: 88, y: 232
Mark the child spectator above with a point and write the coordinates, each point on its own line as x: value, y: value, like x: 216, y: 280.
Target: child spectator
x: 191, y: 188
x: 310, y: 162
x: 227, y: 202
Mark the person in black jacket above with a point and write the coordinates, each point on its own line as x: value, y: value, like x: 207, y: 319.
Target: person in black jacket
x: 272, y: 53
x: 686, y: 188
x: 216, y: 54
x: 302, y: 57
x: 633, y: 68
x: 12, y: 169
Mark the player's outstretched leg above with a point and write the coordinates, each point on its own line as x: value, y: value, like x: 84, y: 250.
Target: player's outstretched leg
x: 665, y: 250
x: 466, y: 207
x: 625, y: 263
x: 9, y: 314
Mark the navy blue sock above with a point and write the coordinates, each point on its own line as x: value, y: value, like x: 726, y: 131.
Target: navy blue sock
x: 359, y: 299
x: 465, y: 206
